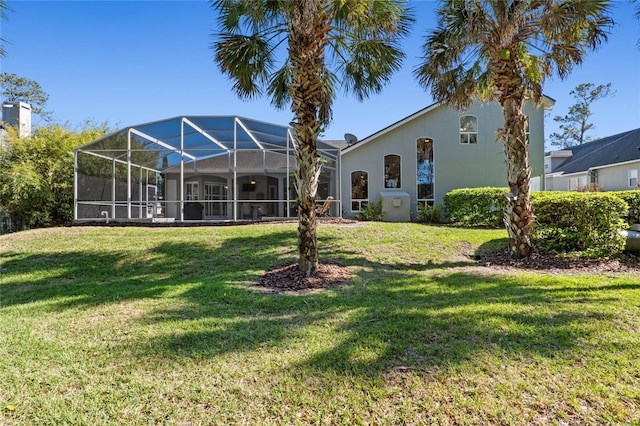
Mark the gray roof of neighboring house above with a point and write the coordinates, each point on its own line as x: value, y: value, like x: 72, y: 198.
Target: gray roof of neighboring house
x: 615, y: 149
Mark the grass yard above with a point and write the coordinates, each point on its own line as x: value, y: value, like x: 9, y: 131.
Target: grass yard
x: 129, y: 326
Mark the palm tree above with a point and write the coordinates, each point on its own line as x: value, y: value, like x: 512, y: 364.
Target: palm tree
x: 359, y: 38
x: 503, y: 50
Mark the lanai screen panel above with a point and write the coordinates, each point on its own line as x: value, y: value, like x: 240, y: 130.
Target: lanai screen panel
x: 143, y: 171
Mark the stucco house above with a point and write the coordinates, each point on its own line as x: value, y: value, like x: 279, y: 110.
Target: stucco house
x: 420, y: 158
x: 230, y: 168
x: 611, y: 163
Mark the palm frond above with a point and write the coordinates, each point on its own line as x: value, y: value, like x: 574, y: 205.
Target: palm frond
x: 536, y: 37
x: 365, y: 42
x: 251, y: 16
x: 370, y: 66
x: 247, y: 60
x: 3, y: 15
x: 279, y: 85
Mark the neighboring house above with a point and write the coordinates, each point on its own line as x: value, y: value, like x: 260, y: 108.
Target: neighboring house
x: 611, y: 163
x: 16, y: 114
x: 420, y: 158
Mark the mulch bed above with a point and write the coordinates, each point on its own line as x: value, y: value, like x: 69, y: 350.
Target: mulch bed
x: 557, y: 263
x: 289, y: 277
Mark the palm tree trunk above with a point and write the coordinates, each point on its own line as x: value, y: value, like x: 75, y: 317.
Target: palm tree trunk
x: 309, y: 26
x: 518, y: 216
x: 307, y: 182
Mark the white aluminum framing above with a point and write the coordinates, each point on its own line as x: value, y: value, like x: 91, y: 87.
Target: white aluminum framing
x: 284, y: 182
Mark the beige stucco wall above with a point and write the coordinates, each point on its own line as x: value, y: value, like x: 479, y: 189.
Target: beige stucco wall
x: 612, y: 178
x: 456, y: 165
x: 616, y: 178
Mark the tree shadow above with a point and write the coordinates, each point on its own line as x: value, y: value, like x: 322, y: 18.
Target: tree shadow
x: 87, y: 279
x: 414, y: 316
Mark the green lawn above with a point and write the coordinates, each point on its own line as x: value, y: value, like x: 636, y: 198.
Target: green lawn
x: 164, y: 326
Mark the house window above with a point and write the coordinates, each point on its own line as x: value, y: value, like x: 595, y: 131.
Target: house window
x: 633, y: 178
x: 359, y: 190
x: 468, y: 129
x: 577, y: 183
x: 392, y: 171
x: 191, y: 191
x: 424, y: 172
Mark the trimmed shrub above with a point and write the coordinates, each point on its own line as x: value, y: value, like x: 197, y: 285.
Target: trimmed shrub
x: 587, y: 222
x: 632, y: 197
x: 430, y: 214
x: 476, y: 206
x: 372, y: 212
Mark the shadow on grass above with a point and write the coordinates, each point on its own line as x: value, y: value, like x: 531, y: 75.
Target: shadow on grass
x: 414, y: 316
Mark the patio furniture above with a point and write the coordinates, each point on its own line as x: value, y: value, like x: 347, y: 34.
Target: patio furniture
x: 323, y: 210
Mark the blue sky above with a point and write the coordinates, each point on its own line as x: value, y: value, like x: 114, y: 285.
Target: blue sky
x: 131, y: 62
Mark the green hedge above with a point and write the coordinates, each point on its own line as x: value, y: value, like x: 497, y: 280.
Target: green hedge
x: 632, y: 197
x: 476, y: 206
x: 588, y: 222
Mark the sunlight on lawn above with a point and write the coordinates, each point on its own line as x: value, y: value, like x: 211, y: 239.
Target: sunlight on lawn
x: 138, y: 326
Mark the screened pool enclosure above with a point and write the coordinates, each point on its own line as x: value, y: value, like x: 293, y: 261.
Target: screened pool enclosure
x: 195, y: 168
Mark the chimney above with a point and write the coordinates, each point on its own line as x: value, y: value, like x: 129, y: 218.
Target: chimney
x: 18, y: 114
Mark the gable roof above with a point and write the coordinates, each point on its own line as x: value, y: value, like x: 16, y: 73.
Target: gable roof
x: 391, y: 127
x: 547, y: 103
x: 616, y: 149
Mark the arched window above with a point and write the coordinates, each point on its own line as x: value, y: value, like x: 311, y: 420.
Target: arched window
x: 359, y: 190
x: 425, y: 177
x: 392, y: 171
x: 468, y: 129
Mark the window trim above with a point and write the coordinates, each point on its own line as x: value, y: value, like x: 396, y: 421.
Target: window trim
x: 468, y: 134
x: 429, y: 201
x: 384, y: 164
x: 360, y: 201
x: 632, y: 174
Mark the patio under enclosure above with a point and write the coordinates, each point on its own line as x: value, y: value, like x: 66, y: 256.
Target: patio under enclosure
x: 195, y: 168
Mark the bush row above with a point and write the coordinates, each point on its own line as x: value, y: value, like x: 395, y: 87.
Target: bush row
x: 588, y: 222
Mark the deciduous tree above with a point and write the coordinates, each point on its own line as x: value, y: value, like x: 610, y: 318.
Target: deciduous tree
x: 36, y: 174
